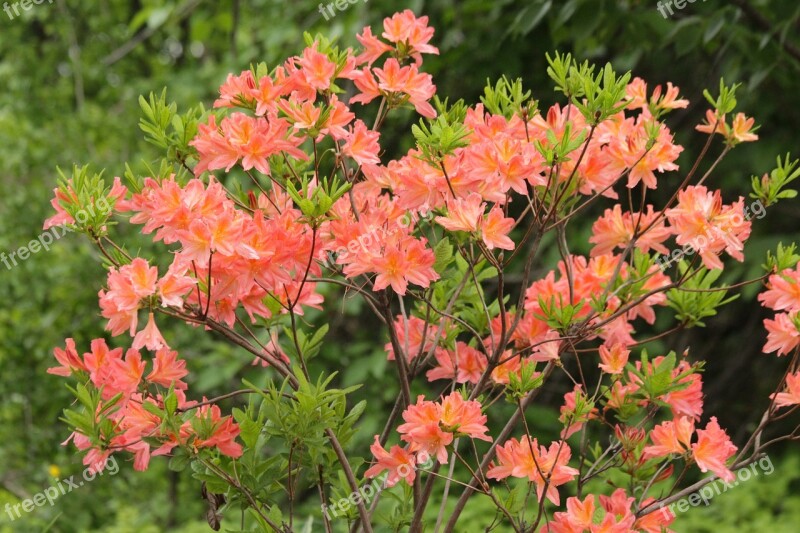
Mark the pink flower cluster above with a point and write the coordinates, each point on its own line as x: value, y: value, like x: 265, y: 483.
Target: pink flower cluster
x: 126, y: 391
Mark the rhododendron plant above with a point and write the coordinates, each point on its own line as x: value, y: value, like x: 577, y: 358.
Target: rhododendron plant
x: 282, y: 199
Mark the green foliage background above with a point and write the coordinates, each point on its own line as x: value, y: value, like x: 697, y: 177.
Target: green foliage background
x: 71, y: 72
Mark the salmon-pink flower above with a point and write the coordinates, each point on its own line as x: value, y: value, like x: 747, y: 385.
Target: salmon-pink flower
x: 138, y: 421
x: 141, y: 455
x: 783, y: 334
x: 548, y: 347
x: 613, y: 359
x: 576, y: 411
x: 373, y: 47
x: 630, y: 150
x: 100, y: 362
x: 414, y: 344
x: 174, y: 286
x: 742, y: 128
x: 398, y: 461
x: 554, y: 464
x: 619, y: 503
x: 714, y: 123
x: 713, y: 449
x: 150, y: 337
x: 636, y: 92
x: 511, y: 365
x: 702, y: 222
x: 236, y: 90
x: 391, y: 271
x: 783, y: 291
x: 367, y: 84
x: 512, y: 459
x: 69, y: 360
x: 303, y: 116
x: 241, y: 137
x: 126, y: 289
x: 524, y: 458
x: 431, y: 426
x: 422, y: 430
x: 463, y: 214
x: 120, y: 318
x: 687, y: 401
x: 411, y: 31
x: 339, y: 117
x: 95, y: 459
x: 316, y: 68
x: 495, y: 229
x: 138, y: 447
x: 361, y: 144
x: 616, y: 229
x: 69, y: 197
x: 266, y: 95
x: 218, y: 234
x: 621, y: 395
x: 670, y: 99
x: 407, y: 260
x: 127, y: 373
x: 168, y: 369
x: 393, y: 78
x: 466, y: 364
x: 791, y: 396
x: 463, y: 417
x: 614, y: 515
x: 579, y: 516
x: 141, y: 276
x: 657, y: 521
x: 62, y: 217
x: 216, y: 431
x: 674, y: 436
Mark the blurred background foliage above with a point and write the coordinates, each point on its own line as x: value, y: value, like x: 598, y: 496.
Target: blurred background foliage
x: 71, y: 73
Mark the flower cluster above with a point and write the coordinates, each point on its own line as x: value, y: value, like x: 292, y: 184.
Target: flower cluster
x: 547, y: 468
x: 429, y: 428
x: 711, y: 451
x: 428, y: 239
x: 126, y: 413
x: 615, y: 513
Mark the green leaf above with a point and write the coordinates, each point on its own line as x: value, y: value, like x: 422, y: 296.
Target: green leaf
x: 443, y: 253
x: 714, y: 26
x: 179, y: 460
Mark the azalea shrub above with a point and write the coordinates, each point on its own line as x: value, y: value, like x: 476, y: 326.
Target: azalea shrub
x: 281, y: 201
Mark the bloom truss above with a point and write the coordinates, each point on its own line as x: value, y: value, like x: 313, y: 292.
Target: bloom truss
x: 446, y: 223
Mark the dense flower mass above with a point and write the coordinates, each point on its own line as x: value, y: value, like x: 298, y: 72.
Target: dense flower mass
x: 289, y: 193
x: 129, y: 396
x: 546, y: 467
x: 701, y: 220
x: 615, y: 512
x: 431, y: 426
